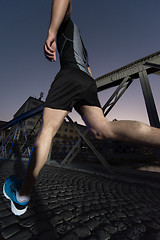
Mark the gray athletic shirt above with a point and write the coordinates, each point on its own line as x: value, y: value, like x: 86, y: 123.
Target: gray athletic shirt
x: 71, y: 49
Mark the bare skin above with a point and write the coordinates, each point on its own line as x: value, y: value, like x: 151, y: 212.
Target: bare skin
x: 52, y: 120
x: 61, y: 11
x: 124, y: 130
x: 131, y: 131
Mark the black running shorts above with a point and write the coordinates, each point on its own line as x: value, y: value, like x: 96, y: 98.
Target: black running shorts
x: 72, y: 88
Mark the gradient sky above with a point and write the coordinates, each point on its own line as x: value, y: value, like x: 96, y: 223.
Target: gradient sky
x: 115, y: 34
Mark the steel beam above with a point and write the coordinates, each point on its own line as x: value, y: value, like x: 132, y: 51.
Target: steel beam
x: 72, y: 153
x: 10, y: 152
x: 154, y: 65
x: 98, y: 155
x: 149, y: 100
x: 115, y: 77
x: 116, y: 95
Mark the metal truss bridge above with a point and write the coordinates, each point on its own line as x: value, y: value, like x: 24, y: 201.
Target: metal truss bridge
x: 122, y: 79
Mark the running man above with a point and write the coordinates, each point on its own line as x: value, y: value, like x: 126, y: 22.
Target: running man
x: 73, y: 87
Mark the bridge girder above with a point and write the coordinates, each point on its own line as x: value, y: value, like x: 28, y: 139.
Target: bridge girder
x: 151, y: 64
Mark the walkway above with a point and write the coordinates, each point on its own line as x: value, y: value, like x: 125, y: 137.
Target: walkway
x: 70, y: 205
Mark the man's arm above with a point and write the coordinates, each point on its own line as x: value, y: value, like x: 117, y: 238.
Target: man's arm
x: 59, y: 10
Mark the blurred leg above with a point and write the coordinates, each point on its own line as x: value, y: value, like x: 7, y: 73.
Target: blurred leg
x: 52, y: 120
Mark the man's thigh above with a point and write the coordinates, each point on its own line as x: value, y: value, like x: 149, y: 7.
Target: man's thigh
x: 94, y: 118
x: 53, y: 118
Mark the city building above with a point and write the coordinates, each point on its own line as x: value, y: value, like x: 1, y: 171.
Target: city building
x: 30, y: 123
x: 2, y: 123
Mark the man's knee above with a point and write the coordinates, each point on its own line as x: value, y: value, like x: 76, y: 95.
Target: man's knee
x: 97, y: 133
x: 49, y: 129
x: 103, y: 131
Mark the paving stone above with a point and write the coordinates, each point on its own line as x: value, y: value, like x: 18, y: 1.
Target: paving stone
x: 68, y: 207
x: 120, y: 214
x: 112, y: 217
x: 82, y: 231
x: 58, y: 210
x: 120, y: 226
x: 77, y: 204
x: 106, y: 221
x: 53, y: 196
x: 136, y: 232
x: 130, y: 213
x: 96, y: 208
x: 87, y: 204
x: 157, y: 218
x: 95, y: 202
x: 2, y: 206
x: 91, y: 238
x: 63, y: 228
x: 91, y: 224
x: 78, y: 212
x: 9, y: 220
x: 56, y: 220
x: 41, y: 208
x: 102, y: 235
x: 70, y: 236
x: 74, y: 220
x: 84, y: 217
x: 110, y: 229
x: 5, y: 213
x: 99, y: 219
x: 102, y: 201
x: 152, y: 225
x: 92, y: 214
x: 29, y: 213
x: 67, y: 215
x: 29, y: 222
x: 86, y: 209
x: 51, y: 205
x: 44, y: 216
x: 10, y: 230
x: 102, y: 211
x: 136, y: 219
x: 40, y: 228
x: 55, y: 205
x: 23, y: 235
x: 144, y: 217
x: 50, y: 235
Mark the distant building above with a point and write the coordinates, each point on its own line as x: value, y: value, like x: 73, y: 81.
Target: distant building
x: 68, y: 132
x: 29, y: 104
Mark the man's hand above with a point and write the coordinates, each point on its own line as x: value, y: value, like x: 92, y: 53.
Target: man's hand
x: 89, y: 70
x: 50, y: 48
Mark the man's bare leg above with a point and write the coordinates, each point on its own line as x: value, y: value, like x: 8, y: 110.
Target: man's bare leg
x: 129, y: 131
x: 52, y: 120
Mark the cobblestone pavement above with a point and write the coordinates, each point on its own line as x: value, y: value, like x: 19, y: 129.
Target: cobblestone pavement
x: 68, y: 204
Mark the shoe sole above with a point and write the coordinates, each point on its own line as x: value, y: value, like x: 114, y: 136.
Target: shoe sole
x: 16, y: 211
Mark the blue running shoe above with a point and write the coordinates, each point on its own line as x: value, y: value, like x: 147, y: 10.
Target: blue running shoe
x: 11, y: 186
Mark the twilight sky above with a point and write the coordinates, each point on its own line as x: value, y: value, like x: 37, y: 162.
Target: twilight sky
x: 115, y: 34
